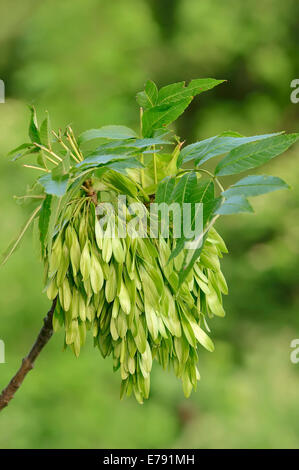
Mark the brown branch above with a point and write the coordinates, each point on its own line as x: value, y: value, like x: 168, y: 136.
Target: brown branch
x: 28, y: 362
x: 91, y: 192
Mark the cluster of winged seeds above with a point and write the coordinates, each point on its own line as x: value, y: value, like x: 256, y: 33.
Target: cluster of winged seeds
x: 142, y: 297
x: 126, y: 292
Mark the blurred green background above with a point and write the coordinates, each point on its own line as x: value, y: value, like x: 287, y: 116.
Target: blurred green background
x: 84, y: 61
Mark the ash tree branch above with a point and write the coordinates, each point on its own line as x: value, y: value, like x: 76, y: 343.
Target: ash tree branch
x: 28, y: 362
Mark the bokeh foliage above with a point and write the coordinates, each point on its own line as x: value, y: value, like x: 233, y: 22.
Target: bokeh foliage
x: 84, y: 62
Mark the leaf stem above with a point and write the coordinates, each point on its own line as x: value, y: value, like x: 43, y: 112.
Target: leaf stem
x: 155, y: 165
x: 141, y: 157
x: 147, y: 199
x: 29, y: 197
x: 202, y: 170
x: 212, y: 176
x: 50, y: 160
x: 74, y: 144
x: 37, y: 168
x: 15, y: 244
x: 45, y: 149
x: 59, y: 139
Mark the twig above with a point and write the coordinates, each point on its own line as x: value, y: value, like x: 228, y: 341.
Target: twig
x: 155, y: 165
x: 28, y: 362
x: 141, y: 157
x: 198, y: 170
x: 74, y: 143
x: 29, y: 197
x: 59, y: 139
x: 50, y: 152
x: 91, y: 192
x: 36, y: 168
x: 23, y: 231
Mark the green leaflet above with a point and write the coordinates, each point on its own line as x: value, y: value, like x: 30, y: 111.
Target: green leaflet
x: 33, y: 127
x: 132, y: 146
x: 162, y: 115
x: 254, y: 154
x: 234, y: 205
x: 200, y: 192
x: 148, y: 98
x: 190, y: 190
x: 206, y: 149
x: 121, y: 183
x: 184, y: 188
x: 181, y: 242
x: 255, y: 185
x: 203, y: 191
x: 45, y: 131
x: 44, y: 220
x: 55, y: 212
x: 62, y: 169
x: 107, y: 132
x: 165, y: 189
x: 173, y: 93
x: 56, y: 187
x: 192, y: 255
x: 98, y: 159
x: 22, y: 151
x: 122, y: 166
x: 178, y: 91
x: 149, y: 142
